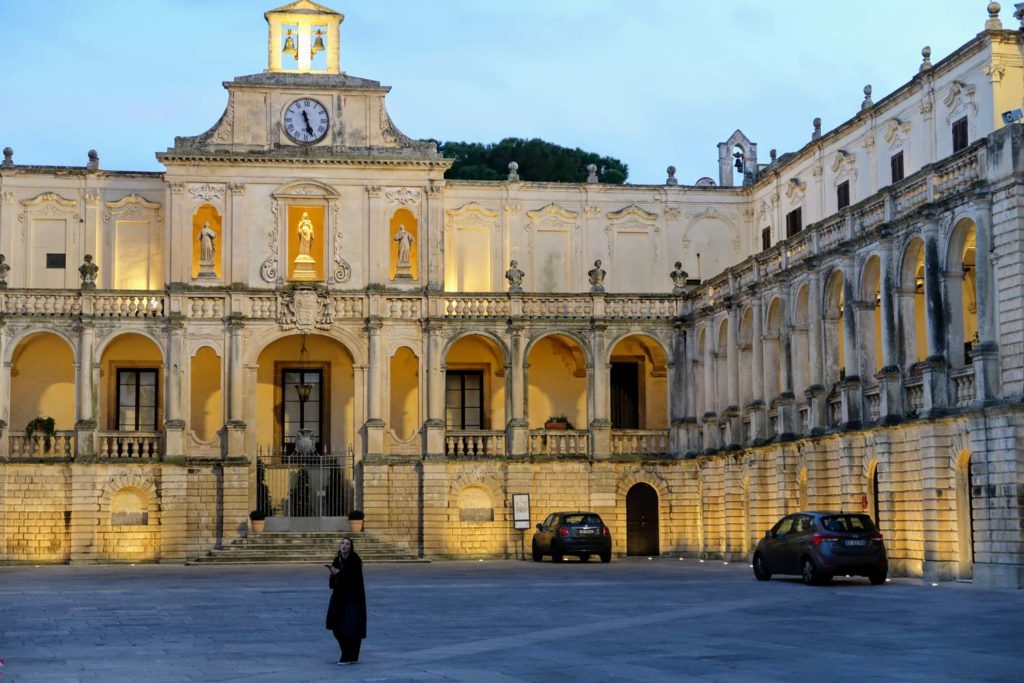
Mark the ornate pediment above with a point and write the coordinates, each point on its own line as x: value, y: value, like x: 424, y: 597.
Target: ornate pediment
x: 132, y: 207
x: 844, y: 165
x: 897, y: 132
x: 304, y: 190
x: 50, y: 198
x: 959, y: 101
x: 553, y: 217
x: 305, y: 308
x: 795, y: 189
x: 632, y: 213
x: 472, y: 215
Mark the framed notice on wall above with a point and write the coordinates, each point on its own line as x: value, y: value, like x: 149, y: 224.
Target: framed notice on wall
x: 521, y: 510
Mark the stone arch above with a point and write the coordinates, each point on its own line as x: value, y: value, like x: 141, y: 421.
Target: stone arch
x: 721, y: 360
x: 961, y: 291
x: 305, y: 188
x: 121, y: 481
x: 41, y: 382
x: 584, y: 345
x: 349, y: 339
x: 487, y: 481
x: 101, y: 346
x: 774, y: 321
x: 869, y: 327
x: 911, y: 305
x: 643, y: 475
x: 666, y: 348
x: 14, y: 346
x: 506, y: 355
x: 745, y: 342
x: 800, y: 342
x: 196, y: 347
x: 638, y: 382
x: 833, y: 303
x: 558, y: 372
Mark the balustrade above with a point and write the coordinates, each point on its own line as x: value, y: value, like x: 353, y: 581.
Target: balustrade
x: 475, y: 306
x: 639, y: 441
x: 128, y: 305
x: 130, y: 445
x: 963, y: 386
x: 835, y: 410
x: 60, y: 445
x: 474, y: 444
x: 873, y: 401
x: 559, y: 442
x: 914, y: 389
x: 40, y: 303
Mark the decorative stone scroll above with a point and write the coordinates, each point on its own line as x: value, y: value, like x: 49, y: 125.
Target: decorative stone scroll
x: 403, y: 196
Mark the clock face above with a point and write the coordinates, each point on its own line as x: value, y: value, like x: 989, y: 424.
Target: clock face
x: 306, y: 121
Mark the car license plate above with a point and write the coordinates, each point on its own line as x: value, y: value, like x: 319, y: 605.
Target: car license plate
x: 856, y: 542
x: 586, y: 532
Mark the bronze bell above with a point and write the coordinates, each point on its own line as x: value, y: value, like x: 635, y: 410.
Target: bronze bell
x: 318, y: 44
x: 289, y: 46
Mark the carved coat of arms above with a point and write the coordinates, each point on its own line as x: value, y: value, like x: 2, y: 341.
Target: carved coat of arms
x: 305, y: 309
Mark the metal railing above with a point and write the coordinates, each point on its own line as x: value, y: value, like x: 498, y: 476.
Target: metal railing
x: 304, y: 486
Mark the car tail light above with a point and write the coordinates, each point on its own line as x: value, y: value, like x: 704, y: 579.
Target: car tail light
x: 606, y: 532
x: 824, y: 538
x: 563, y: 531
x: 877, y: 536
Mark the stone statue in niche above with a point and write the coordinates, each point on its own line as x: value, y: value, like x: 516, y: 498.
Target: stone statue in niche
x: 305, y: 264
x: 405, y: 240
x: 596, y: 275
x: 207, y: 251
x: 679, y: 277
x: 87, y: 271
x: 4, y: 269
x: 514, y: 276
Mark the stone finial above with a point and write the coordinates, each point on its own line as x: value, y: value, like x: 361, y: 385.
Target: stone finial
x: 817, y: 128
x: 679, y: 278
x: 4, y: 269
x: 94, y: 161
x: 513, y: 171
x: 88, y: 271
x: 596, y: 277
x: 993, y: 23
x: 1018, y: 13
x: 592, y: 173
x: 671, y: 179
x: 926, y: 58
x: 514, y: 276
x: 8, y: 158
x: 773, y: 155
x: 867, y: 103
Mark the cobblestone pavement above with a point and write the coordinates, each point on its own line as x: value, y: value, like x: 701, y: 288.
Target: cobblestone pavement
x: 658, y: 620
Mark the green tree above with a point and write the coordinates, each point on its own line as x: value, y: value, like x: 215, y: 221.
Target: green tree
x: 538, y: 161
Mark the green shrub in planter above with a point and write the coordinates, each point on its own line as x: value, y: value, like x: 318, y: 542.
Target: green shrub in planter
x: 257, y: 516
x: 355, y: 515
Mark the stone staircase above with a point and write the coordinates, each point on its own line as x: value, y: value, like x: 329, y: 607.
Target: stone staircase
x: 308, y: 547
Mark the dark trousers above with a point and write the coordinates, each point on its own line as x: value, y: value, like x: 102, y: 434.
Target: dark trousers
x: 349, y: 646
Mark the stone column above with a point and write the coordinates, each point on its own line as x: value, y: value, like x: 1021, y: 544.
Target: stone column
x: 376, y: 360
x: 934, y: 369
x: 986, y: 354
x: 850, y: 387
x: 236, y: 395
x: 709, y: 415
x: 518, y: 427
x: 690, y: 379
x: 734, y: 425
x: 434, y: 234
x: 786, y: 403
x: 889, y: 378
x: 815, y: 393
x: 597, y: 389
x: 5, y: 393
x: 435, y: 424
x: 174, y: 424
x: 85, y: 414
x: 758, y: 402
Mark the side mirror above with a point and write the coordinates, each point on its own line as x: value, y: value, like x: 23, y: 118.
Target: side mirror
x: 540, y: 527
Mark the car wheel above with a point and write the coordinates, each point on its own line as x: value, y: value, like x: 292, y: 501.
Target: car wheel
x: 585, y: 557
x: 809, y: 572
x: 877, y: 578
x: 537, y: 554
x: 761, y: 571
x: 606, y: 557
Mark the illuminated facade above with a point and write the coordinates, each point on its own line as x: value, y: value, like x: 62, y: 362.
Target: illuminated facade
x: 840, y: 329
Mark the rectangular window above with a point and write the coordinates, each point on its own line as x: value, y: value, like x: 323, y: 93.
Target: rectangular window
x: 56, y: 260
x: 794, y: 222
x: 301, y: 406
x: 136, y: 400
x: 843, y: 195
x: 464, y: 392
x: 896, y: 165
x: 959, y: 134
x: 766, y: 238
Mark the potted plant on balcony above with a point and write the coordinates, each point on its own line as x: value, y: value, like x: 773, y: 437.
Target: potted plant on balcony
x: 558, y: 422
x: 44, y: 426
x: 257, y: 519
x: 355, y: 520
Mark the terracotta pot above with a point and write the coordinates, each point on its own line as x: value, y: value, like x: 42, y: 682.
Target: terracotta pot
x: 555, y: 425
x: 356, y: 524
x: 257, y: 525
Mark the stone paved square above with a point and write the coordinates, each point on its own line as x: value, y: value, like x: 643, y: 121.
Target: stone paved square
x: 658, y: 620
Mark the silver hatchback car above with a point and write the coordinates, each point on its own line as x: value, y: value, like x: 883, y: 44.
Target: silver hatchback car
x: 820, y: 545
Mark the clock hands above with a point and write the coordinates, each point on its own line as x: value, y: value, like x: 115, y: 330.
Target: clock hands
x: 305, y: 117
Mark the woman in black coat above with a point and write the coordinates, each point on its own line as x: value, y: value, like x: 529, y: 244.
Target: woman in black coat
x: 346, y: 614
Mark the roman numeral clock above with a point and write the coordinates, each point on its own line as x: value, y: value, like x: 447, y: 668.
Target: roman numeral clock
x: 306, y: 121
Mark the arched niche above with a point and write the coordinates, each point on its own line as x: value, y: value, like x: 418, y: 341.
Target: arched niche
x: 206, y: 399
x: 405, y: 393
x: 404, y: 250
x: 207, y: 218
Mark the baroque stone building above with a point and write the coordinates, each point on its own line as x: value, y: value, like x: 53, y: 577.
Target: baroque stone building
x: 838, y: 328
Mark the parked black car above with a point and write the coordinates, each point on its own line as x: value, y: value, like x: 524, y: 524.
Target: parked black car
x: 572, y: 533
x: 819, y: 545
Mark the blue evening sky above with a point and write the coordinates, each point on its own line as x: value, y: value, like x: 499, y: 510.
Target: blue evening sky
x: 651, y: 82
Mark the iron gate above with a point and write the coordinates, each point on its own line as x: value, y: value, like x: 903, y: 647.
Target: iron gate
x: 311, y: 487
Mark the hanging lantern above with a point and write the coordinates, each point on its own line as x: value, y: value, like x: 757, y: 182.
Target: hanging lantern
x: 303, y: 389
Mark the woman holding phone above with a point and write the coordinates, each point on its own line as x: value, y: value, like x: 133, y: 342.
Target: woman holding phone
x: 346, y: 614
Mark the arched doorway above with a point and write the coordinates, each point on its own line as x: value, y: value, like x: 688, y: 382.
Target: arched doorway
x: 42, y: 386
x: 965, y: 518
x: 642, y: 521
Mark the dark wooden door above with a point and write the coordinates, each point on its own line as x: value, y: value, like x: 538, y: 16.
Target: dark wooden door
x: 625, y: 396
x: 642, y: 521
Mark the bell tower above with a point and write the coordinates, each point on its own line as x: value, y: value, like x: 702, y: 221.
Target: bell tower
x: 304, y: 38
